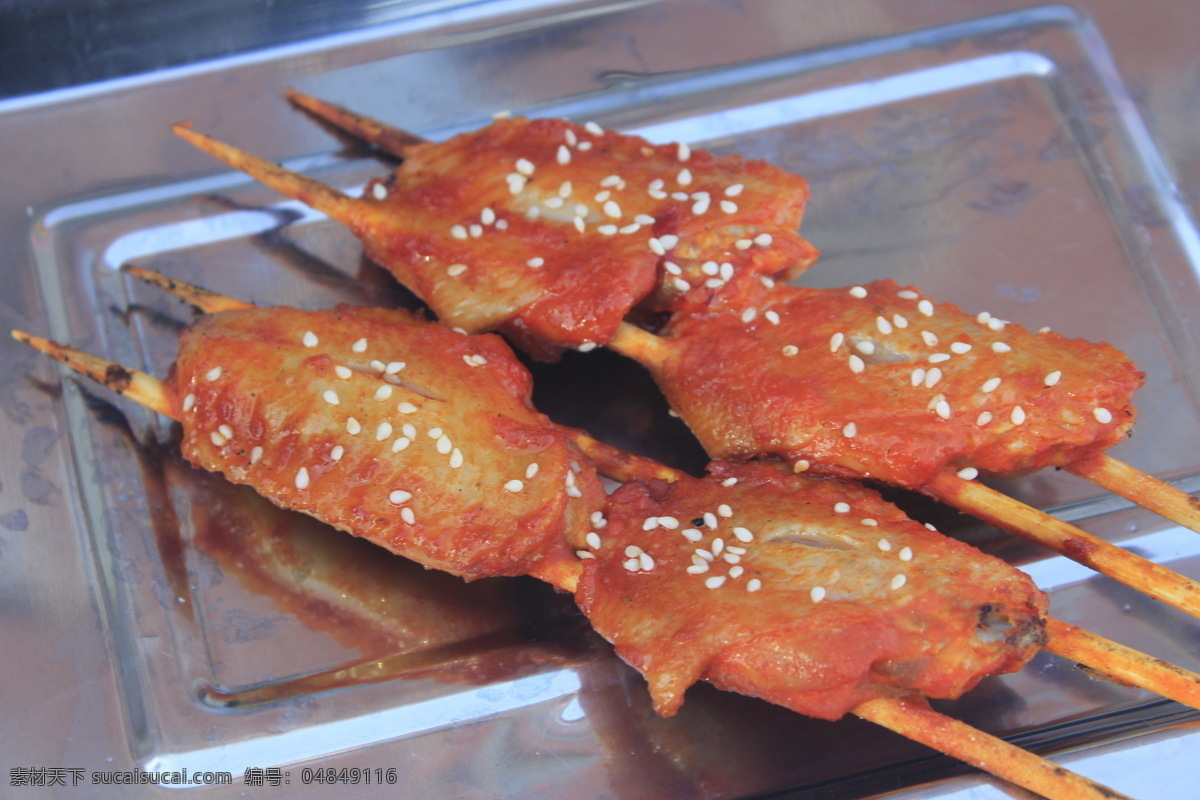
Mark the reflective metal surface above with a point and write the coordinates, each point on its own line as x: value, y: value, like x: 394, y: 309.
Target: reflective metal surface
x: 1038, y: 163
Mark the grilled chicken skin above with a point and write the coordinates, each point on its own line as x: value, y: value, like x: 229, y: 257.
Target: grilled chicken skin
x: 813, y: 594
x: 417, y: 437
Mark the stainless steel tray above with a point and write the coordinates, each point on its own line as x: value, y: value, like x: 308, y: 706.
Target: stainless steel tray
x: 996, y: 162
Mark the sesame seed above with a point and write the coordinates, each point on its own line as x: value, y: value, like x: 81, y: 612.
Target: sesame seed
x: 407, y: 515
x: 585, y: 146
x: 749, y: 314
x: 898, y: 582
x: 925, y: 307
x: 458, y: 232
x: 726, y: 270
x: 918, y: 377
x: 960, y: 347
x: 801, y: 465
x: 1001, y: 347
x: 1053, y: 378
x: 942, y: 409
x: 632, y: 551
x: 456, y: 459
x: 225, y: 431
x: 383, y: 392
x: 743, y: 534
x: 516, y: 182
x: 735, y: 571
x: 683, y: 152
x: 487, y: 216
x: 870, y: 522
x: 938, y: 358
x: 632, y: 227
x: 907, y: 294
x: 378, y: 365
x: 884, y: 545
x: 342, y: 372
x: 535, y: 262
x: 701, y: 205
x: 563, y: 156
x: 841, y: 508
x: 743, y: 244
x: 531, y: 470
x: 983, y: 317
x: 475, y: 230
x: 684, y: 177
x: 593, y: 540
x: 384, y: 431
x: 714, y: 582
x: 850, y: 430
x: 593, y: 128
x: 857, y: 364
x: 670, y: 523
x: 583, y: 554
x: 188, y: 402
x: 729, y: 207
x: 724, y: 510
x: 554, y: 202
x: 330, y: 396
x: 656, y: 246
x: 302, y: 478
x: 858, y: 291
x: 400, y: 444
x: 984, y: 418
x: 968, y: 473
x: 865, y: 347
x: 608, y: 230
x: 906, y: 554
x: 650, y: 523
x: 612, y: 209
x: 579, y: 225
x: 393, y: 367
x: 406, y: 408
x: 565, y: 189
x: 710, y: 519
x: 571, y: 138
x: 772, y: 316
x: 646, y: 562
x: 692, y: 534
x: 991, y: 384
x: 454, y: 270
x: 399, y: 497
x: 729, y: 482
x: 310, y: 339
x: 680, y: 284
x: 1102, y: 415
x: 753, y: 585
x: 1018, y: 415
x: 256, y: 454
x: 930, y: 339
x: 669, y: 240
x: 932, y: 377
x: 444, y: 445
x: 883, y: 325
x: 360, y: 346
x: 525, y: 166
x: 900, y: 321
x: 697, y: 569
x: 996, y: 324
x: 217, y: 438
x: 213, y: 373
x: 514, y: 486
x: 817, y: 594
x: 764, y: 239
x: 379, y: 191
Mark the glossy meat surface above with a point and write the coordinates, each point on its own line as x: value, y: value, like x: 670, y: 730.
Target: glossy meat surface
x: 414, y: 436
x: 813, y: 594
x: 880, y: 381
x: 553, y: 232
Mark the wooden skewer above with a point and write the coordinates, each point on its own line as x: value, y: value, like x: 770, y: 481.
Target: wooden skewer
x: 1136, y: 486
x: 913, y: 718
x: 386, y: 138
x: 909, y: 718
x: 1000, y: 510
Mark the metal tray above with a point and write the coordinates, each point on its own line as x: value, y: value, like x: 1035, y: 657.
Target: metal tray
x: 996, y: 162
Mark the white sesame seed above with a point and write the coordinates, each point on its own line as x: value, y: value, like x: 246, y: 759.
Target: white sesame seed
x: 906, y: 554
x: 565, y: 189
x: 898, y: 582
x: 213, y: 373
x: 531, y: 470
x: 583, y: 554
x: 444, y: 445
x: 524, y: 166
x: 817, y: 594
x: 585, y: 146
x: 858, y: 291
x: 1018, y: 415
x: 907, y: 294
x: 458, y: 232
x: 849, y: 430
x: 579, y: 224
x: 189, y: 402
x: 710, y: 519
x: 729, y: 207
x: 393, y: 367
x: 857, y: 364
x: 360, y: 346
x: 475, y: 230
x: 217, y: 439
x: 764, y: 239
x: 870, y: 522
x: 646, y: 562
x: 399, y: 497
x: 753, y: 585
x: 632, y: 551
x: 938, y: 358
x: 612, y: 209
x: 593, y: 128
x: 983, y: 317
x: 407, y: 515
x: 692, y: 534
x: 406, y: 408
x: 535, y: 262
x: 384, y: 431
x: 342, y: 372
x: 714, y: 582
x: 929, y: 338
x: 996, y: 324
x: 383, y: 392
x: 984, y: 418
x: 932, y: 377
x: 400, y: 444
x: 225, y: 431
x: 749, y: 314
x: 330, y: 396
x: 608, y: 230
x: 1102, y: 415
x: 724, y: 510
x: 801, y: 465
x: 865, y: 347
x: 563, y: 156
x: 900, y: 321
x: 841, y: 508
x: 772, y: 316
x: 960, y: 347
x: 378, y: 365
x: 302, y: 478
x: 593, y: 540
x: 968, y: 473
x: 918, y: 377
x: 683, y: 152
x: 726, y: 270
x: 1053, y: 378
x: 925, y: 307
x: 554, y: 202
x: 456, y: 458
x: 743, y: 244
x: 598, y: 520
x: 656, y: 246
x: 729, y: 482
x: 571, y: 138
x: 884, y: 545
x: 684, y: 178
x: 633, y: 227
x: 516, y: 183
x: 255, y: 454
x: 743, y: 534
x: 991, y: 384
x: 514, y: 486
x: 701, y: 205
x: 454, y: 270
x: 310, y: 339
x: 697, y: 569
x: 670, y: 523
x: 669, y: 240
x: 942, y: 409
x: 487, y: 216
x: 1001, y: 347
x: 883, y: 325
x: 379, y: 191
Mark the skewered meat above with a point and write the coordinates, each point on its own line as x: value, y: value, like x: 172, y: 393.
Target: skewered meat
x: 879, y: 381
x: 419, y: 438
x: 816, y: 595
x: 552, y: 232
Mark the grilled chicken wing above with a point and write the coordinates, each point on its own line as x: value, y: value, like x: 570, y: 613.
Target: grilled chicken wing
x: 879, y: 381
x: 813, y: 594
x: 419, y: 438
